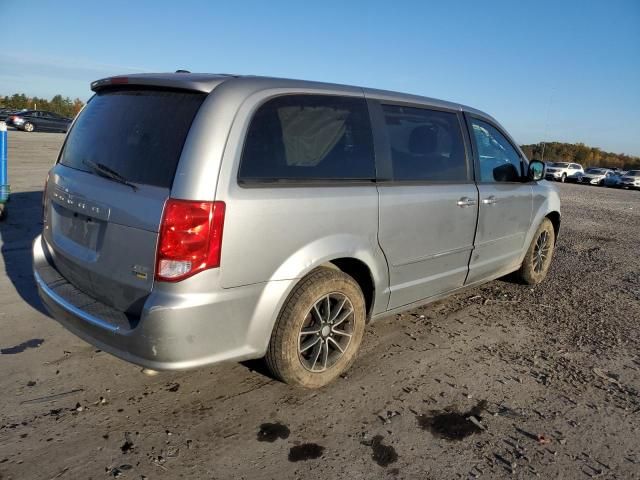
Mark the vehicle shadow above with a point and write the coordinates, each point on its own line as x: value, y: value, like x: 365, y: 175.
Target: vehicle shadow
x: 17, y: 232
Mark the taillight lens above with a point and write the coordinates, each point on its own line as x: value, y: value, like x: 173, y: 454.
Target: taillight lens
x: 190, y: 238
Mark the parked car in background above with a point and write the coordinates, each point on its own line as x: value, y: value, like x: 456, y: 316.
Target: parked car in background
x: 560, y: 171
x: 630, y: 179
x: 32, y: 120
x: 595, y: 176
x: 574, y: 177
x: 6, y: 112
x: 275, y: 218
x: 613, y: 180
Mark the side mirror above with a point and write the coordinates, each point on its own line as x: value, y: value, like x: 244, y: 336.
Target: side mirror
x: 536, y: 171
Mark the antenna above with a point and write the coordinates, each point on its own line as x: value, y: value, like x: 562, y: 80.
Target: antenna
x: 546, y: 124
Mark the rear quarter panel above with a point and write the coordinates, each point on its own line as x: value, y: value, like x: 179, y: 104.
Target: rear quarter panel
x: 274, y: 233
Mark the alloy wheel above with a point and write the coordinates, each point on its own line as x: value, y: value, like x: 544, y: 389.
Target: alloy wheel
x: 326, y: 332
x: 541, y: 251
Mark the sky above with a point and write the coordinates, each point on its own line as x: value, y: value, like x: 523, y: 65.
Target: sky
x: 547, y: 70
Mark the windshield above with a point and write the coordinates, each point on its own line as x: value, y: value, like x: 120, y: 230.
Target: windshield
x: 598, y: 171
x: 633, y: 173
x: 137, y: 133
x: 560, y: 164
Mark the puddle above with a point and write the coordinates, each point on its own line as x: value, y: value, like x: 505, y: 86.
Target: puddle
x: 270, y: 432
x: 306, y: 451
x: 383, y: 455
x: 453, y: 425
x: 33, y: 343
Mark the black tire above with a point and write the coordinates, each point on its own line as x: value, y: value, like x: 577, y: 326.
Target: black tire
x: 286, y: 352
x: 29, y: 127
x: 563, y: 178
x: 534, y: 268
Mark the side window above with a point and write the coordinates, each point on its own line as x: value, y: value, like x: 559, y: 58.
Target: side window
x: 302, y: 137
x: 499, y: 161
x: 425, y: 144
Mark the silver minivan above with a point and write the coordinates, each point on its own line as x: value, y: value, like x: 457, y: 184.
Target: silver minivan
x: 192, y: 219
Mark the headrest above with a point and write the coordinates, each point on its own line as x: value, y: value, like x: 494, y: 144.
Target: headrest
x: 423, y: 139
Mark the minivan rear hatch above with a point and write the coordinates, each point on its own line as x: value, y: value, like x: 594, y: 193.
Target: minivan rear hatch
x: 105, y: 196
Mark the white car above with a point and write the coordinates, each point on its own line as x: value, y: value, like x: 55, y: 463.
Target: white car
x: 595, y: 176
x: 561, y: 170
x: 631, y: 179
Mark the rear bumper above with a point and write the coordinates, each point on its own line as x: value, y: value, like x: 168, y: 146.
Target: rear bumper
x: 176, y: 330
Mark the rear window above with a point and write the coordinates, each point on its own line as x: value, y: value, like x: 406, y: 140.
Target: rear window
x: 309, y: 137
x: 137, y: 133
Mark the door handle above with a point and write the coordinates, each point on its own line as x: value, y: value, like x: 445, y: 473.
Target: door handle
x: 466, y: 202
x: 489, y: 200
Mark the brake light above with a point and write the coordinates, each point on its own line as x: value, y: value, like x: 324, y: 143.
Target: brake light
x: 190, y: 238
x: 119, y: 80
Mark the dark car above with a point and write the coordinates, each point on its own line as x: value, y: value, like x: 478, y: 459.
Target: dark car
x: 31, y: 120
x: 5, y: 112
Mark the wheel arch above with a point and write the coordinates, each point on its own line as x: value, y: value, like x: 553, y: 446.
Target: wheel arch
x: 554, y: 217
x: 361, y: 273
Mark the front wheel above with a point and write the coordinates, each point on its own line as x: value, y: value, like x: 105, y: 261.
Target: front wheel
x: 319, y: 330
x: 28, y: 127
x: 537, y: 260
x: 563, y: 178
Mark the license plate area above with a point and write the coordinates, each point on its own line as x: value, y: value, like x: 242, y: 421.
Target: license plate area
x: 78, y: 228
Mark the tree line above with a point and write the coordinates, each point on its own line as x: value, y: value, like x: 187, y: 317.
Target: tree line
x: 58, y: 104
x: 580, y: 153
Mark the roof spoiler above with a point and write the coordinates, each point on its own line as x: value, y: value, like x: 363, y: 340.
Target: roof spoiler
x: 181, y: 79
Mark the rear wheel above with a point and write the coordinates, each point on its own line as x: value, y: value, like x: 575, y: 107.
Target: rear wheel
x: 319, y: 330
x: 537, y: 260
x: 28, y: 127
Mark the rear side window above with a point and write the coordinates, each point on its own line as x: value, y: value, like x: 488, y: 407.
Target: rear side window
x: 309, y: 137
x: 426, y: 145
x: 137, y: 133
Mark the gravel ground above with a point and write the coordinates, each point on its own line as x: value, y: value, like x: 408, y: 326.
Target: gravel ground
x: 502, y: 381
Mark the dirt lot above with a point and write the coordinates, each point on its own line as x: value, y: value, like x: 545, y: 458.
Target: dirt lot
x: 550, y: 374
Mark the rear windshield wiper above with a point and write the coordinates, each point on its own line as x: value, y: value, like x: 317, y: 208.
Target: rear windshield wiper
x: 107, y: 172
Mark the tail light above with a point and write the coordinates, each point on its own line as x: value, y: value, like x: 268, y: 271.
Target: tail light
x: 190, y: 238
